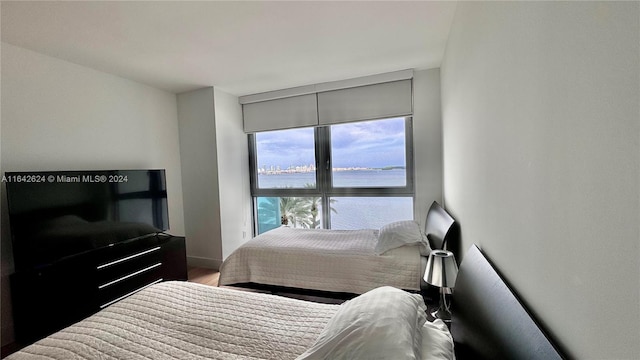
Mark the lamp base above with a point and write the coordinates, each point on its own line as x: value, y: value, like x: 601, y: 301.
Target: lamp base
x: 442, y: 314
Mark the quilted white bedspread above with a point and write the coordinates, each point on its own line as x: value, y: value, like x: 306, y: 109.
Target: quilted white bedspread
x: 179, y: 320
x: 328, y: 260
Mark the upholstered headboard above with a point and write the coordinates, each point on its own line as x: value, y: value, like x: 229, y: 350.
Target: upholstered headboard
x: 439, y: 224
x: 488, y: 320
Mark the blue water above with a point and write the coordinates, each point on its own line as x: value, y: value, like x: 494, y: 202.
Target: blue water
x: 355, y: 178
x: 355, y: 212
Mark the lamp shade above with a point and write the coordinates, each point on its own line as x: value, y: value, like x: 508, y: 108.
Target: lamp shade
x: 441, y: 269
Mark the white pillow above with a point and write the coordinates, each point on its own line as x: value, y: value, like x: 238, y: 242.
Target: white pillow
x: 437, y: 342
x: 384, y: 323
x: 401, y: 233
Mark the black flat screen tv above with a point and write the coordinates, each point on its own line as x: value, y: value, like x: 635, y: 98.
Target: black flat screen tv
x: 57, y: 214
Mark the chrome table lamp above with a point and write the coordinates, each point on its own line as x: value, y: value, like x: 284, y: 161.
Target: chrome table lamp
x: 441, y: 272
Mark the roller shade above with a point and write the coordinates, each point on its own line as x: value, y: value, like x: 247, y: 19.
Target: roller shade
x: 285, y: 113
x: 366, y: 98
x: 365, y: 102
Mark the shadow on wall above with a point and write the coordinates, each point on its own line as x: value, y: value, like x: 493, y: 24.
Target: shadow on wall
x: 454, y: 242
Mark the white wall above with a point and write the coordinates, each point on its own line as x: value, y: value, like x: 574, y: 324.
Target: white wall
x: 60, y: 116
x: 196, y: 117
x: 233, y: 173
x: 215, y: 168
x: 540, y: 105
x: 427, y: 141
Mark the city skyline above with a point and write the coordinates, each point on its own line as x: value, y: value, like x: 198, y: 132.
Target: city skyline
x: 273, y: 169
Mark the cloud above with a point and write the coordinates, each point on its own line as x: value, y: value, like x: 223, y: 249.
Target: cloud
x: 382, y: 133
x: 285, y: 148
x: 368, y: 144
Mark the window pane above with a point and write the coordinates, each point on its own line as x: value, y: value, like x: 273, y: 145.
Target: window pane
x: 296, y: 212
x: 268, y: 213
x: 286, y: 159
x: 369, y: 154
x: 351, y: 213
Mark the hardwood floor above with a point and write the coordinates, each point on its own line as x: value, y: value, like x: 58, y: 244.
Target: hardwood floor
x: 203, y: 276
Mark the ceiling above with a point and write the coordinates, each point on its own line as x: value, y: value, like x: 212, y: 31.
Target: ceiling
x: 241, y: 47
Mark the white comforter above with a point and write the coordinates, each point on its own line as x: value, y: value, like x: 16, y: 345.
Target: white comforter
x: 328, y: 260
x: 179, y: 320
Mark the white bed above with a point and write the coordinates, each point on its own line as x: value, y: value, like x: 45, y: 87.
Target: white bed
x: 342, y: 261
x: 179, y: 320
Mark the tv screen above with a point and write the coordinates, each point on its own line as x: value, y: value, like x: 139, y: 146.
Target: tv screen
x: 56, y: 214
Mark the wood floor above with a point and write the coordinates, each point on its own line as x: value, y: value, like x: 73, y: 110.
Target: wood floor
x: 203, y: 276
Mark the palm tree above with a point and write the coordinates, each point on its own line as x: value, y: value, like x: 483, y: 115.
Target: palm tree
x: 314, y: 204
x: 295, y: 210
x: 301, y: 211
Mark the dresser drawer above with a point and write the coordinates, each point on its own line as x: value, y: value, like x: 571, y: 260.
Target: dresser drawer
x: 118, y: 267
x: 127, y: 273
x: 129, y: 284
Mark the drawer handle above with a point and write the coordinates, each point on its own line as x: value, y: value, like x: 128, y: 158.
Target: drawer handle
x: 128, y: 258
x: 131, y: 293
x: 128, y: 276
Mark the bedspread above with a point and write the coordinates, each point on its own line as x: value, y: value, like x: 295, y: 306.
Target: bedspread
x: 327, y: 260
x: 179, y: 320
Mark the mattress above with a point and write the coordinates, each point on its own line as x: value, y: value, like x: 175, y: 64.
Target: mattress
x: 179, y: 320
x: 327, y: 260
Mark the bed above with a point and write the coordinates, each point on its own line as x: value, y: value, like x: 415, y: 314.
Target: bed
x: 178, y: 320
x: 489, y: 321
x: 338, y: 261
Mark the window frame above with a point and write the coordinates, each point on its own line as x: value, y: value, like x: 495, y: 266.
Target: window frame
x: 324, y: 182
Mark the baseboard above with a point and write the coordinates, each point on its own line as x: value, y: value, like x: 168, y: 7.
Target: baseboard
x: 195, y: 261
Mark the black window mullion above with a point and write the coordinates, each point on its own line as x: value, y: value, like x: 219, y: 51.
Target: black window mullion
x: 323, y: 144
x: 253, y: 180
x: 408, y: 133
x: 367, y: 192
x: 319, y: 157
x: 253, y: 166
x: 286, y: 193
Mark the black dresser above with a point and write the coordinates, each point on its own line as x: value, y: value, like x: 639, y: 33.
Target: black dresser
x: 52, y: 297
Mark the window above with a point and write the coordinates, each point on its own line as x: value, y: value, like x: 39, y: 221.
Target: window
x: 345, y: 176
x: 369, y: 212
x: 294, y: 211
x: 286, y: 159
x: 369, y: 154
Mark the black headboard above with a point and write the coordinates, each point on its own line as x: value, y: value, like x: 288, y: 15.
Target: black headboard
x: 439, y: 225
x: 488, y: 321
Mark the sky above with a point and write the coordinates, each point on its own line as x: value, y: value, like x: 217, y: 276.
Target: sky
x: 371, y: 144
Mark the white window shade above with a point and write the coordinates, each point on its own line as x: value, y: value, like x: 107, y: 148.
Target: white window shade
x: 365, y: 98
x: 285, y: 113
x: 377, y: 101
